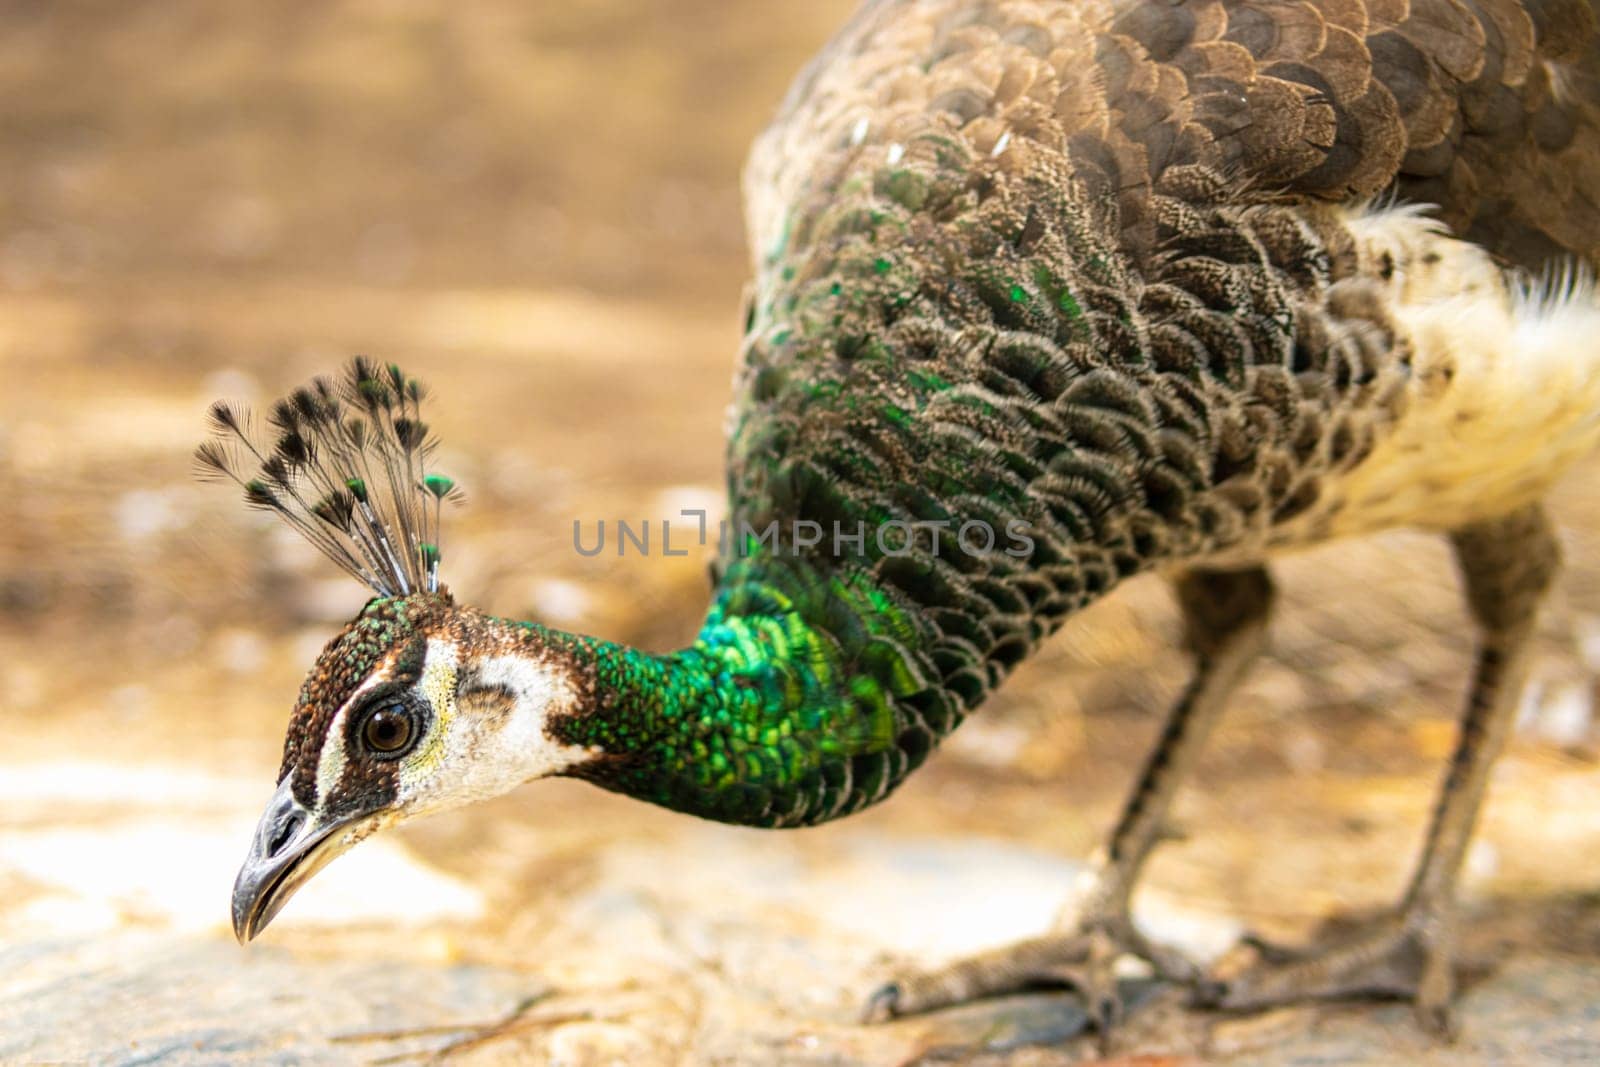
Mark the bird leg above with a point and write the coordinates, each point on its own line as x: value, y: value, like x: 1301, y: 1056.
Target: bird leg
x: 1507, y: 565
x: 1225, y: 616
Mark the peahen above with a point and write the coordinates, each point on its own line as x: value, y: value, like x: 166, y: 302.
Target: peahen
x: 1048, y: 294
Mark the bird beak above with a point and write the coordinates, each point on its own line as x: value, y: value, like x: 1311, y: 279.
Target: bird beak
x: 290, y: 846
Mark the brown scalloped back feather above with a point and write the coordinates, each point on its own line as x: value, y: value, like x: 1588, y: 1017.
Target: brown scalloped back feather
x: 1489, y: 109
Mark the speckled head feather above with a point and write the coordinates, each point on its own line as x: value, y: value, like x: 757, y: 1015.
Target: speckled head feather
x: 348, y: 471
x: 381, y: 651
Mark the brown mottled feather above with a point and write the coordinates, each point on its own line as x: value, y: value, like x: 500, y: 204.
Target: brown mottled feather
x: 1489, y: 109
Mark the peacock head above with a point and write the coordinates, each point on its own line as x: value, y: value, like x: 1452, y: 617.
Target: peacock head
x: 420, y: 704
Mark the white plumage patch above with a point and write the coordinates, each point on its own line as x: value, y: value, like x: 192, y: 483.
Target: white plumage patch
x: 331, y: 760
x: 1505, y: 392
x: 492, y: 734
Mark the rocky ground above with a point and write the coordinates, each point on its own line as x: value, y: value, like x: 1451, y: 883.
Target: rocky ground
x: 535, y: 208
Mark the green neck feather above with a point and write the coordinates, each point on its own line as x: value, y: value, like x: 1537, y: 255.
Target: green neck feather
x: 807, y: 695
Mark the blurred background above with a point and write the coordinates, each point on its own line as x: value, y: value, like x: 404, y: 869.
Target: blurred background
x: 535, y: 208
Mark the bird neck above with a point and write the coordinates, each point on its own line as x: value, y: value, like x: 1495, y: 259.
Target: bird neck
x: 806, y: 696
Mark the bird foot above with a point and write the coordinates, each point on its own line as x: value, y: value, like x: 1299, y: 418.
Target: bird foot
x: 1406, y: 957
x: 1082, y: 961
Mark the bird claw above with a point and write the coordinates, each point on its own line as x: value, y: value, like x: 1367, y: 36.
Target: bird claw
x: 1270, y: 952
x: 1081, y: 961
x: 882, y: 1005
x: 1396, y: 957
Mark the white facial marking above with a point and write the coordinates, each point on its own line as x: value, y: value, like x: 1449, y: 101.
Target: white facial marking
x: 331, y: 760
x: 437, y: 687
x: 484, y: 755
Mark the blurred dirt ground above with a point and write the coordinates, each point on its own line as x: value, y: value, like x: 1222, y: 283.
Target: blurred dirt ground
x: 535, y: 208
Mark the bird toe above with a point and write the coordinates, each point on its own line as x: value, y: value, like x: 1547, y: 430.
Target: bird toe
x: 883, y: 1004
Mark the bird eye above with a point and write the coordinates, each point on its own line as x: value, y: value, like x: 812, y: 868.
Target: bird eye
x: 388, y: 730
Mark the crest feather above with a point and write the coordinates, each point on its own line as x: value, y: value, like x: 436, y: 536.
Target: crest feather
x: 347, y: 469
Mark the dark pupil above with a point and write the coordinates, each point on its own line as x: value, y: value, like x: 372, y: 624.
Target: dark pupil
x: 387, y: 731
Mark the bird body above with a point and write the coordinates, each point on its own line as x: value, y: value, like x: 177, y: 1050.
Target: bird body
x: 1048, y: 295
x: 1143, y: 148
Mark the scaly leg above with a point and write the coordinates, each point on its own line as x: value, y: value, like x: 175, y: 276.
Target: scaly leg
x: 1225, y: 618
x: 1507, y: 565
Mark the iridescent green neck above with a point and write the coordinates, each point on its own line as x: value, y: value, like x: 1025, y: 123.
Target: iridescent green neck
x: 808, y: 695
